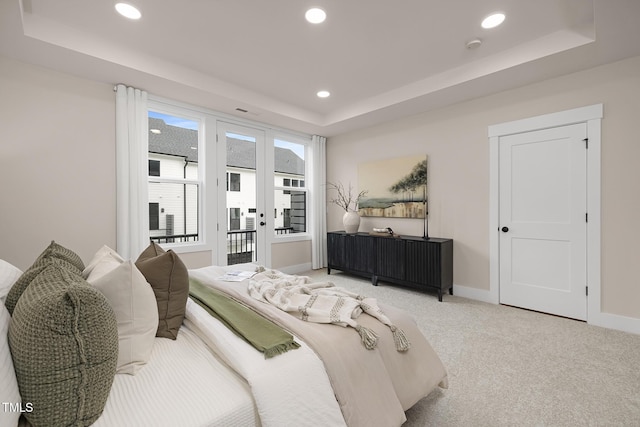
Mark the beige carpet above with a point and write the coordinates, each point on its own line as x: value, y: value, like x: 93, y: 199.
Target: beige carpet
x: 513, y: 367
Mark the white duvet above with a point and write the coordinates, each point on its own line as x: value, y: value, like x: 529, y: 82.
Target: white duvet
x: 183, y: 384
x: 289, y: 389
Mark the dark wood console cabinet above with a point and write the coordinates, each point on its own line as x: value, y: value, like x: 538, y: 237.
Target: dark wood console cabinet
x: 407, y: 260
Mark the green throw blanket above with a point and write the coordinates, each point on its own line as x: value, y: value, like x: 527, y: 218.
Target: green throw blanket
x: 261, y: 333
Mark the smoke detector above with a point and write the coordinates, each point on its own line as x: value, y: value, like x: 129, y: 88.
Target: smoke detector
x: 474, y: 44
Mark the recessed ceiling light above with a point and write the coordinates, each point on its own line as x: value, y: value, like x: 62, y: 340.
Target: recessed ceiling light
x: 493, y: 20
x: 323, y: 94
x: 128, y: 11
x: 315, y: 15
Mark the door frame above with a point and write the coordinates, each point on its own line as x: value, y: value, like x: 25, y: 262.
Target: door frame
x: 592, y: 116
x: 262, y: 239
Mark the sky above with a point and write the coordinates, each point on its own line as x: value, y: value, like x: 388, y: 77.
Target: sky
x: 192, y: 124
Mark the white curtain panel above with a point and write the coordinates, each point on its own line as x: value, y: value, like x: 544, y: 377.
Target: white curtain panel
x: 132, y: 218
x: 319, y: 202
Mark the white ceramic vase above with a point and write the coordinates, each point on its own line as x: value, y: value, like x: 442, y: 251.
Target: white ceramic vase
x: 351, y: 222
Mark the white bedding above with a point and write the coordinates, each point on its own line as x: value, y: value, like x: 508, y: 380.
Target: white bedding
x: 183, y: 384
x: 372, y: 387
x: 291, y: 389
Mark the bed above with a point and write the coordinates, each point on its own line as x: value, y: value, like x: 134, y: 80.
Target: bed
x: 182, y: 384
x: 372, y: 387
x: 208, y: 375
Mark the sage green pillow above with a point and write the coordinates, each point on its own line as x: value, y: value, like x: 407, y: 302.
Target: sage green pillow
x: 55, y: 250
x: 41, y: 264
x: 53, y: 254
x: 64, y: 343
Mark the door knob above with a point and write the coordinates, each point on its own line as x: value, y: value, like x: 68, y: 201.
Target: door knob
x: 262, y: 223
x: 505, y: 229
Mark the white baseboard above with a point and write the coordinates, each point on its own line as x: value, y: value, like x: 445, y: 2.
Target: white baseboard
x: 615, y: 321
x: 296, y: 269
x: 473, y: 293
x: 604, y: 320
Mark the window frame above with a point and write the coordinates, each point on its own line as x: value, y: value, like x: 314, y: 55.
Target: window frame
x: 306, y: 143
x: 204, y: 242
x: 210, y: 221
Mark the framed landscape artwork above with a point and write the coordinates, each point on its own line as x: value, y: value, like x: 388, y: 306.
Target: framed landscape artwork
x: 396, y: 188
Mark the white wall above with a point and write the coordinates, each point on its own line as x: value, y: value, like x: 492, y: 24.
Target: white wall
x: 57, y: 168
x: 57, y: 163
x: 455, y: 139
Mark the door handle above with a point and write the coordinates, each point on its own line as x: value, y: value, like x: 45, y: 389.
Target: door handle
x: 505, y: 229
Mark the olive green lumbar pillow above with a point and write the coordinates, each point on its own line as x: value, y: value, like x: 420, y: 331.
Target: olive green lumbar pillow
x: 41, y: 264
x: 64, y: 343
x: 169, y: 279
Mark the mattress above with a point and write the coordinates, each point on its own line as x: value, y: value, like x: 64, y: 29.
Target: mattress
x: 183, y: 384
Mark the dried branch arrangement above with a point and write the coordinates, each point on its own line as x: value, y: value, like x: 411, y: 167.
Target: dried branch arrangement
x: 345, y: 197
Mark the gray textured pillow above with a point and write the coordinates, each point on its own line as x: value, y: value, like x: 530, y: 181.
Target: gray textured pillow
x: 54, y: 253
x: 64, y: 343
x: 55, y: 250
x: 169, y: 279
x: 41, y: 264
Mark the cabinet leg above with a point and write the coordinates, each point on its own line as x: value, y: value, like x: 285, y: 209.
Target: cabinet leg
x: 451, y: 290
x: 328, y: 270
x: 374, y: 280
x: 440, y: 295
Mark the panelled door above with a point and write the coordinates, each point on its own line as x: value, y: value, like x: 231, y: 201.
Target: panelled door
x: 543, y: 233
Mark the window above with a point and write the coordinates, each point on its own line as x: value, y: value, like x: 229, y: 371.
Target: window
x: 190, y: 214
x: 234, y: 218
x: 290, y: 203
x: 154, y: 216
x: 154, y: 167
x: 174, y: 178
x: 233, y: 181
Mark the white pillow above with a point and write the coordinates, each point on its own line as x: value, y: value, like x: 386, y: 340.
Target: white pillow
x: 102, y: 252
x: 8, y: 276
x: 9, y: 392
x: 134, y: 304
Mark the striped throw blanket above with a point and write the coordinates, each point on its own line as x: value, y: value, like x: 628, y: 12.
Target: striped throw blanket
x: 321, y: 302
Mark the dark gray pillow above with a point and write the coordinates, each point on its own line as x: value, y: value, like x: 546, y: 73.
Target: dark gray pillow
x: 169, y: 279
x: 64, y: 344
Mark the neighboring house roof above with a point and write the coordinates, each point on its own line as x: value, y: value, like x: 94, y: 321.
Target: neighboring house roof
x: 173, y: 140
x: 177, y: 141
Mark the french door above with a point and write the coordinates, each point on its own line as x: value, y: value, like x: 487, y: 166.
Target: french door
x: 243, y: 220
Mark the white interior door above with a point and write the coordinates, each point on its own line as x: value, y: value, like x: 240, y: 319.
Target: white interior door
x: 241, y: 195
x: 543, y: 220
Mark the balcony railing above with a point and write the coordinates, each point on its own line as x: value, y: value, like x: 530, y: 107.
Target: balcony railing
x: 241, y: 245
x: 175, y: 238
x: 284, y: 230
